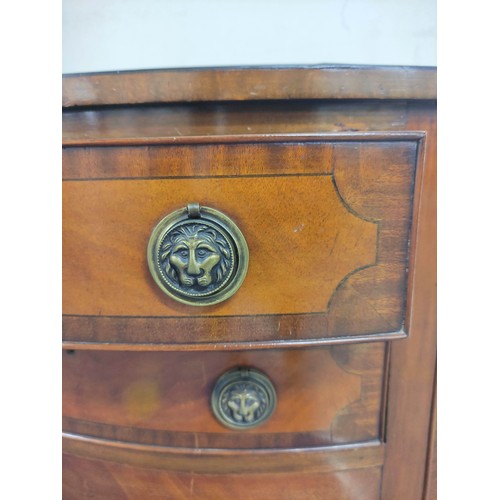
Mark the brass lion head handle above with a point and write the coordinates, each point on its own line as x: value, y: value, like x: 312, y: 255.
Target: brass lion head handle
x: 197, y: 255
x: 243, y: 398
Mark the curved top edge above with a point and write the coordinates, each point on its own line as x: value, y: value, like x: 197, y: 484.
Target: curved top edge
x: 249, y: 83
x: 271, y: 67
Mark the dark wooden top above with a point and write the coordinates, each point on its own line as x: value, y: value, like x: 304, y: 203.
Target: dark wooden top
x: 249, y: 84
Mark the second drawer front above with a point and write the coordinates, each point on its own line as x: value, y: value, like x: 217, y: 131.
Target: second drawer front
x: 325, y: 396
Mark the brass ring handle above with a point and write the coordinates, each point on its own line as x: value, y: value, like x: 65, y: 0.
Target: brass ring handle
x: 243, y: 398
x: 197, y: 255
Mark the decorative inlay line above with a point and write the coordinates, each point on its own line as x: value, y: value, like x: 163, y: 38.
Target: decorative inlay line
x: 192, y: 177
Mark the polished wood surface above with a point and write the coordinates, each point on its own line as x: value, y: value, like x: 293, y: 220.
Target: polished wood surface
x: 214, y: 122
x: 431, y: 472
x: 326, y: 82
x: 85, y: 479
x: 355, y: 415
x: 227, y: 461
x: 352, y: 223
x: 325, y: 396
x: 413, y: 362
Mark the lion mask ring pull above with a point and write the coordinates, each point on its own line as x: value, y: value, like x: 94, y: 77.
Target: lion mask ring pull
x: 197, y: 255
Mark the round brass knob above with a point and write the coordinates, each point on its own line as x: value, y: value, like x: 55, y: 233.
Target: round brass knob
x: 197, y: 255
x: 243, y: 398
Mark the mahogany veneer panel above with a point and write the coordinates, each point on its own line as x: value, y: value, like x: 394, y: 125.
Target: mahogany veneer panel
x: 215, y: 122
x: 348, y: 82
x: 413, y: 362
x: 85, y: 479
x: 325, y: 396
x: 220, y: 461
x: 342, y: 210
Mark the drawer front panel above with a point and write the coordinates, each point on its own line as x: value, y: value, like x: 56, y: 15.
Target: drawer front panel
x: 112, y: 221
x: 327, y: 225
x: 84, y: 478
x: 325, y: 396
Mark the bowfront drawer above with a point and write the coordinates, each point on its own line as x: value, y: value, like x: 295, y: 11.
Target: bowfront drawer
x: 327, y: 222
x: 321, y: 397
x: 135, y: 478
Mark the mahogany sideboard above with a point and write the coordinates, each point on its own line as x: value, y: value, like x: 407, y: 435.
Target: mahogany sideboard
x: 325, y: 314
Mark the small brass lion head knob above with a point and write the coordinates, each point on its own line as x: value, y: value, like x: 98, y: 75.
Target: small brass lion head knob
x: 243, y: 398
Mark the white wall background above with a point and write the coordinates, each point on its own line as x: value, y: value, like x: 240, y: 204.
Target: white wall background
x: 106, y: 35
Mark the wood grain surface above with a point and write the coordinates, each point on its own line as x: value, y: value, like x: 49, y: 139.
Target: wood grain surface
x: 85, y: 478
x: 325, y: 396
x: 226, y: 461
x: 326, y: 82
x: 413, y: 361
x: 431, y: 472
x: 354, y: 421
x: 215, y: 122
x: 345, y: 209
